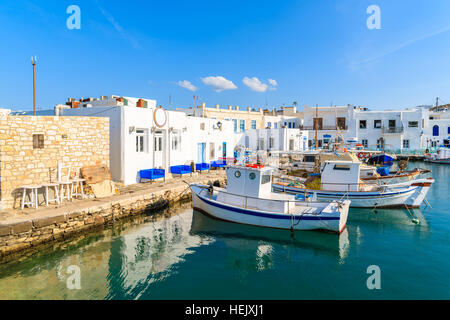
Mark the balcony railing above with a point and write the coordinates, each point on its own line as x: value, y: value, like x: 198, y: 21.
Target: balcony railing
x: 393, y: 130
x: 324, y: 128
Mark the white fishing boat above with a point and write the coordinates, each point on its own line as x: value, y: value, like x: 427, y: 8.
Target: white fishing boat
x: 248, y: 199
x: 342, y: 179
x: 442, y: 155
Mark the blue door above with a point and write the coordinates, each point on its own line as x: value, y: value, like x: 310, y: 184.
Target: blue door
x: 201, y: 152
x: 436, y: 131
x: 224, y: 149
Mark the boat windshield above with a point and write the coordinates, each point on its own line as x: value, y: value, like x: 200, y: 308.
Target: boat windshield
x: 265, y: 179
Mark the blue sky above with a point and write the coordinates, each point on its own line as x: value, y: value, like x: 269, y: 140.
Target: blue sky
x: 317, y: 51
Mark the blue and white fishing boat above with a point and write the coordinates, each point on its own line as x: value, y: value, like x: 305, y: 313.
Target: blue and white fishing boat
x: 341, y: 179
x: 248, y: 199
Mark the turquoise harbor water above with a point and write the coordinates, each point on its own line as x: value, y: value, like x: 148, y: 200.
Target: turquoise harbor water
x: 189, y: 256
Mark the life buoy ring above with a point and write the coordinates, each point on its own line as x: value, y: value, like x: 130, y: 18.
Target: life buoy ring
x: 160, y: 117
x: 360, y: 156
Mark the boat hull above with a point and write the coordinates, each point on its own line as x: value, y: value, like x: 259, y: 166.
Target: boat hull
x: 442, y: 161
x: 410, y: 196
x: 332, y: 218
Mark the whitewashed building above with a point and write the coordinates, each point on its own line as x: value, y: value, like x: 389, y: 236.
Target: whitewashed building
x: 437, y: 128
x: 394, y: 130
x: 152, y: 137
x: 331, y: 122
x: 275, y: 139
x: 397, y: 131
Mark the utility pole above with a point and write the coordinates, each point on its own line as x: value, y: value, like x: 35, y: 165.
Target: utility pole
x: 437, y: 102
x: 316, y: 122
x: 33, y: 62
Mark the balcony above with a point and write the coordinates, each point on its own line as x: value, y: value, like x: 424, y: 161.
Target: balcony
x: 392, y: 130
x: 323, y: 128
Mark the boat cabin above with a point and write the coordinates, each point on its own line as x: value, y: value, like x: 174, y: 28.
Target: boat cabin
x: 250, y: 186
x: 252, y: 181
x: 340, y: 176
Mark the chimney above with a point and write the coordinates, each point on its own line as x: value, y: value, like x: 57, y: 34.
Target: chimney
x: 203, y: 104
x: 217, y: 106
x: 230, y: 107
x: 249, y: 109
x: 236, y: 108
x: 260, y: 110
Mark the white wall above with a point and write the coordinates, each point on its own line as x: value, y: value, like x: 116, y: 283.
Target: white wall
x: 281, y: 139
x: 126, y: 121
x: 444, y: 134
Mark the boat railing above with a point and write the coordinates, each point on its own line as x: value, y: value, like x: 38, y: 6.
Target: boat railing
x: 209, y: 190
x: 377, y: 185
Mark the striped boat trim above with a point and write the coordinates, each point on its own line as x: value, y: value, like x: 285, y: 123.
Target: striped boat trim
x: 364, y: 195
x: 262, y: 214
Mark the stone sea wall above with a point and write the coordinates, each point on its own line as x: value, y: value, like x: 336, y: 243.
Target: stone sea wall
x: 67, y: 221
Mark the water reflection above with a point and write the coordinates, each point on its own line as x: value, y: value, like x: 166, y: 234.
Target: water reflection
x: 256, y: 243
x: 150, y: 254
x: 396, y: 218
x: 190, y: 255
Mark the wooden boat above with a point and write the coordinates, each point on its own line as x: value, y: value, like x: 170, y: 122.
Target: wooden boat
x: 342, y: 179
x: 308, y: 161
x: 394, y: 176
x: 248, y: 199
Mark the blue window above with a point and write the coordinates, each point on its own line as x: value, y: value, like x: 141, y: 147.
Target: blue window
x: 290, y: 124
x: 235, y: 125
x: 448, y: 130
x: 275, y: 125
x: 242, y: 125
x: 435, y: 131
x: 269, y: 125
x: 253, y: 124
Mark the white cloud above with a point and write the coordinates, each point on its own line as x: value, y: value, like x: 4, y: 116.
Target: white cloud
x: 187, y: 85
x: 273, y: 82
x: 219, y: 83
x: 255, y: 84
